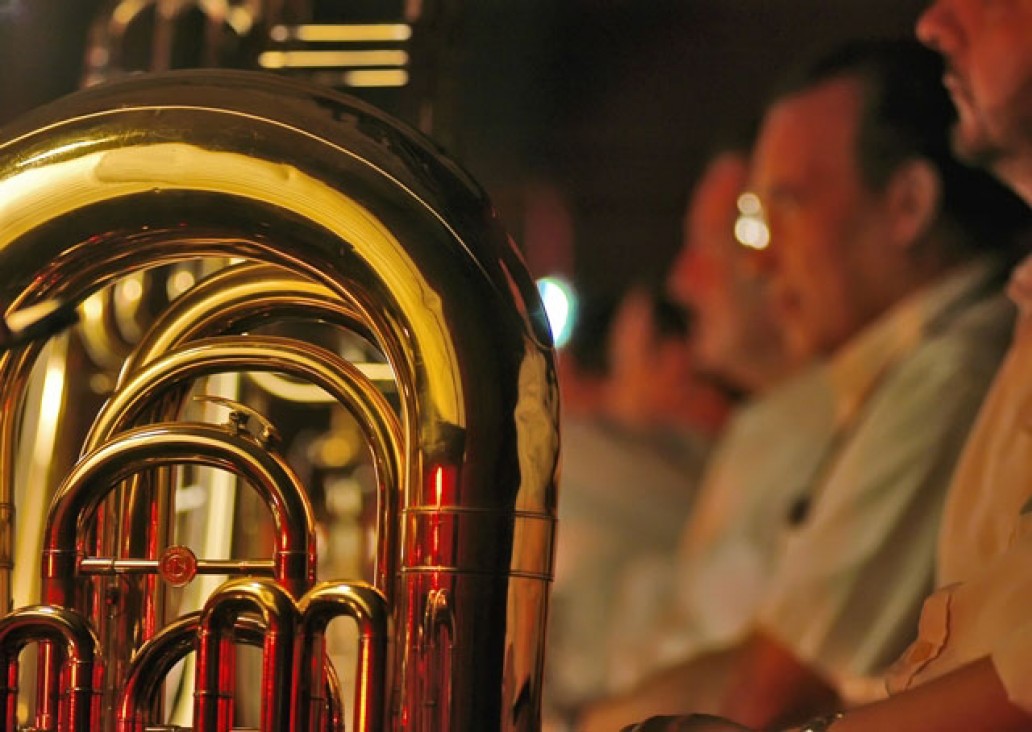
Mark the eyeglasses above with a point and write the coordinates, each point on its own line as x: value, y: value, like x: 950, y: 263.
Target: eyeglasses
x: 751, y: 228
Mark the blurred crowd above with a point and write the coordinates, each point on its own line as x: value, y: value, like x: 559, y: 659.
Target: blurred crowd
x: 795, y: 494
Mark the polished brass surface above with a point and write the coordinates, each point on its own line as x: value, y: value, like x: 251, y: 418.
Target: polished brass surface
x: 293, y: 561
x: 157, y: 658
x: 268, y: 353
x: 231, y: 300
x: 368, y: 608
x: 342, y: 216
x: 78, y: 664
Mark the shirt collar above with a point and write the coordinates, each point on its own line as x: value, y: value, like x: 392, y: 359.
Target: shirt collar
x: 855, y: 369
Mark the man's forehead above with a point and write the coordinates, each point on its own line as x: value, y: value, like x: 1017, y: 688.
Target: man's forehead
x: 810, y: 130
x: 832, y: 106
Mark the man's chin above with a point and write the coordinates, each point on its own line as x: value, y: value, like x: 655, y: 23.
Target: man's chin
x: 972, y: 147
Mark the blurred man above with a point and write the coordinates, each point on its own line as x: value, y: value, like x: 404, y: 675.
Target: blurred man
x: 726, y: 547
x: 877, y: 241
x: 968, y: 669
x: 736, y: 338
x: 655, y: 378
x: 729, y: 544
x: 988, y: 52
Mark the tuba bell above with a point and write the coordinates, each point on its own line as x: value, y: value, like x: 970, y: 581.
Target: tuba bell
x: 312, y: 205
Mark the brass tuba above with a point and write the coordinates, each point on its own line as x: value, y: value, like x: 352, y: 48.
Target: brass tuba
x: 342, y: 215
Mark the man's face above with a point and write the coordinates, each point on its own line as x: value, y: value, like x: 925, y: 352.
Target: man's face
x: 987, y: 45
x: 826, y: 228
x: 713, y: 278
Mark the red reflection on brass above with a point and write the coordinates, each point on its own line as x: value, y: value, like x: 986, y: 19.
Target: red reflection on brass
x: 443, y: 482
x: 78, y: 664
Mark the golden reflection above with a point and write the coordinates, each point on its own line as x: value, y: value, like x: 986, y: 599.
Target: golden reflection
x: 330, y: 59
x: 338, y: 33
x: 377, y: 77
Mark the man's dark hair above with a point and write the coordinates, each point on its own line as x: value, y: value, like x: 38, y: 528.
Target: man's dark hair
x: 907, y: 114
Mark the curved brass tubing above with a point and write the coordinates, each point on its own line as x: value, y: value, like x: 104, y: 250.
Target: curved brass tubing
x: 98, y: 473
x: 156, y: 659
x: 364, y: 604
x: 63, y: 627
x: 182, y: 166
x: 334, y: 703
x: 149, y: 383
x: 178, y: 444
x: 231, y: 300
x: 235, y: 299
x: 336, y: 376
x: 110, y: 322
x: 213, y: 698
x: 149, y: 667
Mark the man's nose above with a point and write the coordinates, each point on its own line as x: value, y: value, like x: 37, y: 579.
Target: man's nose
x: 683, y: 274
x: 935, y: 27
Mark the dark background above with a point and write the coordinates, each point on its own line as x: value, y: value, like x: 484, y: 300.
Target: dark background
x: 586, y: 120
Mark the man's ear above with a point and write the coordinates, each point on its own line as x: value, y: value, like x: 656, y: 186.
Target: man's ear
x: 913, y: 196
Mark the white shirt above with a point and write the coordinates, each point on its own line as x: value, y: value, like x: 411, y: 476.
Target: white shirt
x: 763, y: 463
x: 853, y: 574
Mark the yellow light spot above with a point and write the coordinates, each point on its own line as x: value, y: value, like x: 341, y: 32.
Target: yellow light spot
x: 376, y: 77
x: 330, y: 59
x: 338, y: 33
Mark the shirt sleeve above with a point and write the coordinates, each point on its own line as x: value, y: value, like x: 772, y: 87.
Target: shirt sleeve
x: 848, y: 591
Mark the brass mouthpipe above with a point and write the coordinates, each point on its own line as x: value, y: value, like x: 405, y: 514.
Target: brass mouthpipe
x: 213, y: 697
x: 67, y: 629
x: 367, y: 606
